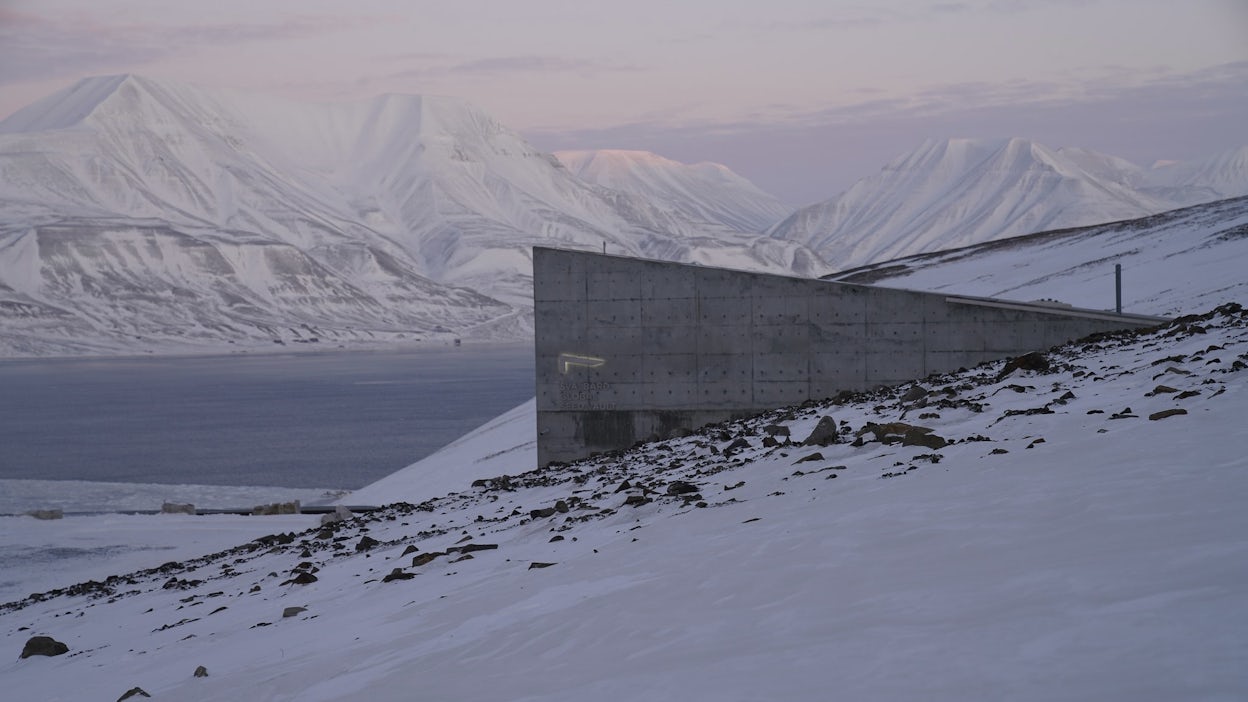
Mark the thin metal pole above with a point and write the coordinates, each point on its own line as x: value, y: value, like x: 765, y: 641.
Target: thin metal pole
x: 1118, y: 288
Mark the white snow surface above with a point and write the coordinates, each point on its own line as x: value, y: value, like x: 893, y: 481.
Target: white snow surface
x: 1063, y: 546
x: 958, y: 192
x: 1178, y: 262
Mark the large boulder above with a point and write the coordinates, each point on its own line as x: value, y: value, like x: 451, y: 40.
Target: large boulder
x: 826, y: 432
x: 43, y: 646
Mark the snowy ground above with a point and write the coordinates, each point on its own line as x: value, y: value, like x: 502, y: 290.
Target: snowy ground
x: 1056, y: 547
x: 1172, y: 263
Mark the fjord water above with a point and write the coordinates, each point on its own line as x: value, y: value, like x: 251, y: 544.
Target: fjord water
x: 311, y: 420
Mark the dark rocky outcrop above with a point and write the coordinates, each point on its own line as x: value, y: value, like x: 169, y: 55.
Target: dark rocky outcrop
x: 426, y: 558
x: 826, y: 432
x: 680, y: 487
x: 397, y: 574
x: 1034, y: 361
x: 43, y: 646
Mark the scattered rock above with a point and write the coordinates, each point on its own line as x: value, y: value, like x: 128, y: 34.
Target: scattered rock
x: 1161, y: 389
x: 776, y: 430
x: 542, y: 513
x: 998, y: 451
x: 133, y: 692
x: 916, y: 392
x: 680, y: 487
x: 303, y: 578
x: 923, y: 438
x: 397, y: 574
x: 472, y: 548
x: 637, y: 500
x: 46, y: 514
x: 1036, y: 441
x: 536, y: 564
x: 1126, y: 413
x: 624, y: 486
x: 825, y: 433
x: 293, y: 612
x: 561, y: 507
x: 425, y: 558
x: 43, y: 646
x: 201, y: 672
x: 816, y: 456
x: 409, y: 550
x: 1167, y: 413
x: 366, y: 543
x: 1034, y: 361
x: 1186, y: 394
x: 770, y: 442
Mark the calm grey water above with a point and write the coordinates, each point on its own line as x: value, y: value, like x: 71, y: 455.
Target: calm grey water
x: 333, y: 420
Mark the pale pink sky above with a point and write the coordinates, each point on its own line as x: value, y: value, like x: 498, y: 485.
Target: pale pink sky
x: 800, y: 96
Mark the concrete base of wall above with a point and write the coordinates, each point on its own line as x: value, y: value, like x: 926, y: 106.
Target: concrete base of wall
x: 629, y: 349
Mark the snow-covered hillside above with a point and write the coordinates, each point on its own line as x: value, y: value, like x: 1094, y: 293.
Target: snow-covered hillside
x: 1173, y: 263
x: 133, y: 207
x: 958, y: 192
x: 702, y: 192
x: 1072, y: 529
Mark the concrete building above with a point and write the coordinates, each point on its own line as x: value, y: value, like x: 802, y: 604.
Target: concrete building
x: 630, y: 349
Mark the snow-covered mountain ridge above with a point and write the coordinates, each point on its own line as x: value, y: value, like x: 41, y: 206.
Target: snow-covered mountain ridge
x: 704, y: 192
x: 366, y: 202
x: 958, y: 192
x: 1173, y: 263
x: 1081, y: 513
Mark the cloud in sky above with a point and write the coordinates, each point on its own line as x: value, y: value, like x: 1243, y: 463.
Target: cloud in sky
x: 35, y: 46
x: 802, y: 96
x: 811, y: 156
x: 500, y: 65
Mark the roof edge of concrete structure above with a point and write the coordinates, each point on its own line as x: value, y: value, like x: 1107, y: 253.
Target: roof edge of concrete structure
x: 1003, y: 303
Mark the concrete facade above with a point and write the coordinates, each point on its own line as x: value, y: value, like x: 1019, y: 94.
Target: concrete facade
x: 630, y: 349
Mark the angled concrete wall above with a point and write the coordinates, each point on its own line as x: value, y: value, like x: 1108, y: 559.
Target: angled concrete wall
x: 630, y: 349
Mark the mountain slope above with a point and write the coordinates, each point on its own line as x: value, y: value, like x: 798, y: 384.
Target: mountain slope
x: 954, y: 193
x: 431, y: 180
x: 1173, y: 263
x: 1058, y: 530
x: 704, y: 192
x: 374, y: 205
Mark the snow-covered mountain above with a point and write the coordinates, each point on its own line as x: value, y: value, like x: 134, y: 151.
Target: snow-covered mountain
x: 958, y: 192
x: 1079, y: 534
x: 253, y: 213
x: 1191, y: 182
x: 1177, y: 262
x: 708, y: 193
